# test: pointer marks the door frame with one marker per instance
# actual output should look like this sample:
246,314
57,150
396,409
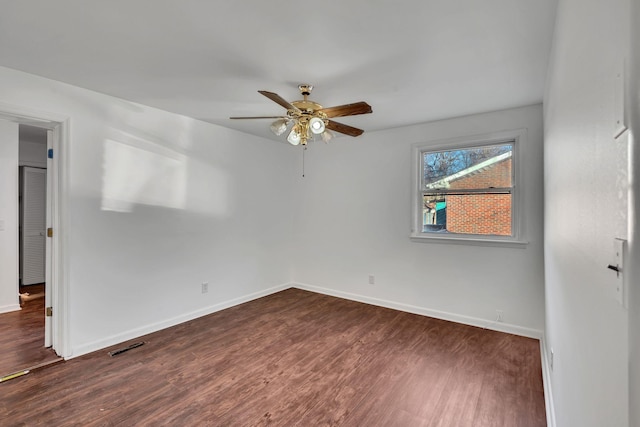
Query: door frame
57,335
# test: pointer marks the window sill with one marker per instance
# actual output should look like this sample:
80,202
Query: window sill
471,241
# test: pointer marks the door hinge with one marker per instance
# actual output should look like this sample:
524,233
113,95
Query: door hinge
49,311
49,232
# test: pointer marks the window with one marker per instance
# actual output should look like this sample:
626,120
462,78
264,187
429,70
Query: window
465,190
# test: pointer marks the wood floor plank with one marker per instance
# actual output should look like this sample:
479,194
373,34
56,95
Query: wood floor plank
294,358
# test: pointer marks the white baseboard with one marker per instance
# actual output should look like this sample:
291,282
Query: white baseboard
155,327
546,381
466,320
9,308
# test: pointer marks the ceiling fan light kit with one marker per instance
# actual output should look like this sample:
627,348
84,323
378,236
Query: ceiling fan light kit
310,118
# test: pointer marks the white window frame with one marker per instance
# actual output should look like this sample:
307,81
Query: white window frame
518,139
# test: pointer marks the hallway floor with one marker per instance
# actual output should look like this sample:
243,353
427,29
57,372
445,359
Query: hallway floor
22,334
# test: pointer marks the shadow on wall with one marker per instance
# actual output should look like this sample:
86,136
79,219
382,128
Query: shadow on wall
137,171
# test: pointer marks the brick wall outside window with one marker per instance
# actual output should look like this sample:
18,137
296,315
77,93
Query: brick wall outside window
481,213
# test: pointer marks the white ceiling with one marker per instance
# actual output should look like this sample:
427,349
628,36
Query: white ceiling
413,61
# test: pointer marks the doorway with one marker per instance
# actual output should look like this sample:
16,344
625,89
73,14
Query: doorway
25,331
24,343
32,211
53,320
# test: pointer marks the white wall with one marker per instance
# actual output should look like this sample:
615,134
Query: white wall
353,219
8,217
159,203
634,244
585,209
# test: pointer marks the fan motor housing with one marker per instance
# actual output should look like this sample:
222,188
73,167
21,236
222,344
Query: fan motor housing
306,105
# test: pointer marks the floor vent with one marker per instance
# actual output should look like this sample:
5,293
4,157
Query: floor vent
122,350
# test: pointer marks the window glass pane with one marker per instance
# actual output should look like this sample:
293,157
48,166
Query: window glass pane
479,167
477,213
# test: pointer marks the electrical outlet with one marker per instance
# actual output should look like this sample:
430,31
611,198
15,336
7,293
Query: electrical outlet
499,316
551,359
205,287
372,279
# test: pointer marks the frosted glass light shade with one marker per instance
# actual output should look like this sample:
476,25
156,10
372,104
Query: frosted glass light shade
316,125
294,136
279,126
326,136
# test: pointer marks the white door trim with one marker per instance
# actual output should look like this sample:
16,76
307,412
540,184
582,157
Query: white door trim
57,173
50,208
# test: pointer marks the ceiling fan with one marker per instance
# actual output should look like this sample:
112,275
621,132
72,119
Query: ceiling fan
310,118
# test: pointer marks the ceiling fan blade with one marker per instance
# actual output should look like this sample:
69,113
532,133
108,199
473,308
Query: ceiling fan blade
348,110
342,128
260,117
278,99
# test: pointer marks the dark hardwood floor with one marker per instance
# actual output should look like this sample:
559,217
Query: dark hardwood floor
22,334
294,358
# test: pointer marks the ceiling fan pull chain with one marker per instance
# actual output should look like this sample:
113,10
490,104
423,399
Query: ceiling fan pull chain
303,151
